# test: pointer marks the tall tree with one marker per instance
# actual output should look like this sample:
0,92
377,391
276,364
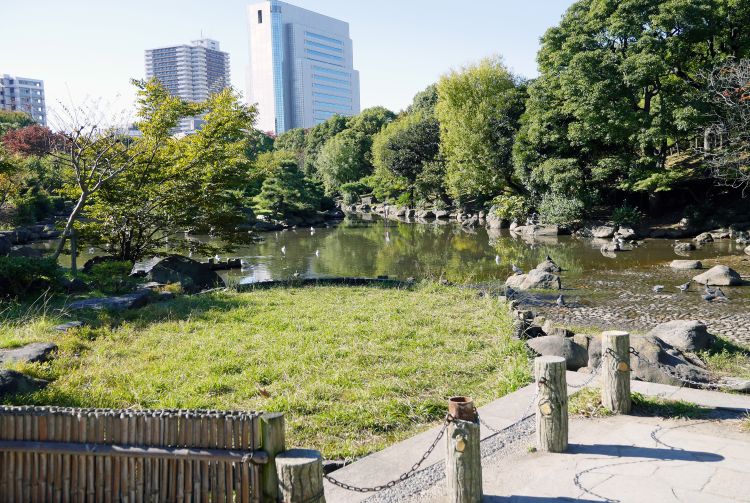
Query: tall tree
406,145
478,108
619,85
175,184
344,158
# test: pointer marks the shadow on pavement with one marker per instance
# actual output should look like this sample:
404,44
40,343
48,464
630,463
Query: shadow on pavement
629,451
531,499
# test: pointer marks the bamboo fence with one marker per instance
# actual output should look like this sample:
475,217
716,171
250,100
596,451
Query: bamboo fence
102,455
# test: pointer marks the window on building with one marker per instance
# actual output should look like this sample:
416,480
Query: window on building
260,17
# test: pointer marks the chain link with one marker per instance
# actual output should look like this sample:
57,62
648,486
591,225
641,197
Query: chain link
588,381
518,421
666,370
406,475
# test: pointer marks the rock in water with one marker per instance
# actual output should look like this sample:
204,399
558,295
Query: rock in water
684,247
12,382
36,352
719,275
535,279
686,264
576,356
689,336
191,275
706,237
603,231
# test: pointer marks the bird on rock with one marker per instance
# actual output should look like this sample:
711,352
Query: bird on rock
720,294
684,287
658,288
516,270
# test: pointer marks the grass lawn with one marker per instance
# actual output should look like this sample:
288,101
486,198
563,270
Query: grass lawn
353,369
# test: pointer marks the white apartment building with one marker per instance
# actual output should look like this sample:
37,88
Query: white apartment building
301,69
21,94
192,72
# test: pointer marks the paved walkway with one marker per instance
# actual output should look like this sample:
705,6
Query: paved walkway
595,443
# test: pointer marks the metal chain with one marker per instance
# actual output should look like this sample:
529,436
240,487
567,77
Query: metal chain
521,419
348,487
666,370
588,381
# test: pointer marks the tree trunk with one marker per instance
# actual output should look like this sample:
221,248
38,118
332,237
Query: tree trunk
552,404
616,371
69,224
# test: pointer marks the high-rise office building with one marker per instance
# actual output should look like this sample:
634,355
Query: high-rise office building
192,72
22,94
301,68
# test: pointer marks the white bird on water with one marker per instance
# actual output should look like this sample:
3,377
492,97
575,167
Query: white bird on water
283,250
217,258
497,259
387,237
317,253
244,264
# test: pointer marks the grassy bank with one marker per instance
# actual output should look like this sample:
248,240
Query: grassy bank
354,369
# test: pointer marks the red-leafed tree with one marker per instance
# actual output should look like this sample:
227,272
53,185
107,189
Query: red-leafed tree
30,140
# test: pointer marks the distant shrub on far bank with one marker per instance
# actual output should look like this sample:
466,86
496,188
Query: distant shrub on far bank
561,210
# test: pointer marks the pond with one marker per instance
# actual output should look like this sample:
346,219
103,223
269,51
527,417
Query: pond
604,290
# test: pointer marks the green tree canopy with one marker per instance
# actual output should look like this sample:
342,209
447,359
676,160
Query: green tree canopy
478,108
619,85
287,193
406,145
344,158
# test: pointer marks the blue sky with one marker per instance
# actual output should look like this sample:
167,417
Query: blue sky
91,48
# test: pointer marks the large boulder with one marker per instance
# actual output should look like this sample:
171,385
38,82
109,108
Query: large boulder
719,275
683,265
603,231
658,362
747,250
575,355
191,275
12,382
36,352
684,335
534,280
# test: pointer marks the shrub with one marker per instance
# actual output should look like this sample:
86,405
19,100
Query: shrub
112,277
32,207
510,207
22,276
561,210
353,190
627,215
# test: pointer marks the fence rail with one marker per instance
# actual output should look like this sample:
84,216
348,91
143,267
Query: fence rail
67,454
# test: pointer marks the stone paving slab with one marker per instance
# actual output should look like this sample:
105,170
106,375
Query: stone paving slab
628,465
380,467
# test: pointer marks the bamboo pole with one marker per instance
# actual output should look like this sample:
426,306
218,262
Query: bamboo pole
463,463
616,372
300,476
552,404
273,442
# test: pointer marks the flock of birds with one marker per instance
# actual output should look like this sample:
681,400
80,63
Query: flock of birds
709,294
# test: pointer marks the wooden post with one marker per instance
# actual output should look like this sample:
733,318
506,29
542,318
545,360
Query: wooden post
616,371
300,476
552,404
463,462
273,442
